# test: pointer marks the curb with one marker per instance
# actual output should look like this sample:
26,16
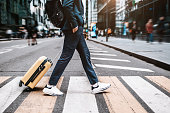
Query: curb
144,58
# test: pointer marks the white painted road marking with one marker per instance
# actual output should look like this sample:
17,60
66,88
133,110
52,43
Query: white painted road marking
95,49
98,51
99,54
79,98
5,50
122,67
5,41
9,93
155,99
109,59
19,46
11,48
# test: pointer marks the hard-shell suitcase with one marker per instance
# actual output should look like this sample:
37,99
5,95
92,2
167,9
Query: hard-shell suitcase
36,72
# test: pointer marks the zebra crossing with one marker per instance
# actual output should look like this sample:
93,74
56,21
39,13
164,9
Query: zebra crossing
98,52
155,99
127,94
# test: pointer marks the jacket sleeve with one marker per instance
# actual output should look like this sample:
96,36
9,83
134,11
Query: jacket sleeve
68,6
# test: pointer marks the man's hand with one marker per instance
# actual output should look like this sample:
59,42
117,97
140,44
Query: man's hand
75,29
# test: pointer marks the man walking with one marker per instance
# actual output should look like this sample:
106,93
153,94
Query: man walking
74,39
133,30
149,30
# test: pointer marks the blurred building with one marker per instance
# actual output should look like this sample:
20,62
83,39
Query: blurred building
14,13
92,12
143,10
86,14
114,13
120,15
37,8
106,14
17,13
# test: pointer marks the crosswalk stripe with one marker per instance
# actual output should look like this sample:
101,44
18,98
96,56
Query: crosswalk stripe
6,81
98,54
37,102
5,41
122,67
95,51
109,59
3,78
79,99
19,46
9,93
161,81
59,104
119,99
155,99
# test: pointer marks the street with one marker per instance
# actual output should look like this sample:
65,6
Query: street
137,86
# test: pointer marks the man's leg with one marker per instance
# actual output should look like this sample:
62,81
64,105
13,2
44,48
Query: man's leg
151,37
147,38
70,43
85,58
83,50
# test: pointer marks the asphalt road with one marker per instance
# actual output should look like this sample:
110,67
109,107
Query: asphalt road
16,58
137,86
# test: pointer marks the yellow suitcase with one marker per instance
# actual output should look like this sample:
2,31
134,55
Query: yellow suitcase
36,72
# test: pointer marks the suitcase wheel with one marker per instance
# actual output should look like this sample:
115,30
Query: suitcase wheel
20,83
28,89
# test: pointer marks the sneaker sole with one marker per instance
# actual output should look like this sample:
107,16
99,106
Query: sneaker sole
100,91
51,94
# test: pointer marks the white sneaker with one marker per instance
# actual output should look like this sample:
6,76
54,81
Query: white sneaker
100,87
52,90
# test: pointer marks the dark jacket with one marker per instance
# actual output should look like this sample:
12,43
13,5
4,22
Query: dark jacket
73,11
160,27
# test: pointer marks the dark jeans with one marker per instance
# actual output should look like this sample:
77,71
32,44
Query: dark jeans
72,42
149,37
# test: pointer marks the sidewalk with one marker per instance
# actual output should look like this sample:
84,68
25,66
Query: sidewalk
155,53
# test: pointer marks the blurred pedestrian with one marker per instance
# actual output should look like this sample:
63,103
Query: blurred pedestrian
34,34
149,30
124,29
127,29
21,32
133,30
29,30
97,32
25,33
109,32
160,29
